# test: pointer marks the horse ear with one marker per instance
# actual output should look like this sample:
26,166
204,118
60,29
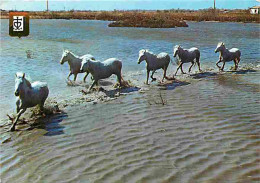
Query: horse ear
16,75
23,75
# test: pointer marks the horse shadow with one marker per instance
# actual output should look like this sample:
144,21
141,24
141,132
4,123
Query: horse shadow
119,91
171,85
101,82
51,124
209,74
242,71
203,75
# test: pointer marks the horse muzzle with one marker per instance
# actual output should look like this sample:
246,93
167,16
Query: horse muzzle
216,51
81,70
16,93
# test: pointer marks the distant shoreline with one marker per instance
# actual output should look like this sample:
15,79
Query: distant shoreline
149,19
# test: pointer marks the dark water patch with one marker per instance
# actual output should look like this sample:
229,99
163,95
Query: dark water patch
171,85
203,75
246,71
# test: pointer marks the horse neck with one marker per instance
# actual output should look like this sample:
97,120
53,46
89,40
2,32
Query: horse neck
180,52
73,59
223,50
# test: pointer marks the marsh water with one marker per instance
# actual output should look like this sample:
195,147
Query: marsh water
205,128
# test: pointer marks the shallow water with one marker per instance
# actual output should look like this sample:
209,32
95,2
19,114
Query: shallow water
207,131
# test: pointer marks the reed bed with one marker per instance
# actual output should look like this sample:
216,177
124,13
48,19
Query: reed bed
152,19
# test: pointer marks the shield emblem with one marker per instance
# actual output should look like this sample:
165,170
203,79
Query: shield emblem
18,24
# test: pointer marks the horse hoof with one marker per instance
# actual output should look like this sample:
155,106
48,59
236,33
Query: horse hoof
11,129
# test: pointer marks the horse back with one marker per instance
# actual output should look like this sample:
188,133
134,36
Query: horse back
164,57
113,63
87,56
190,54
194,50
40,88
235,51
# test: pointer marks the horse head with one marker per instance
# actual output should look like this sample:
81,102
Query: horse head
85,65
176,50
64,57
142,56
220,47
19,82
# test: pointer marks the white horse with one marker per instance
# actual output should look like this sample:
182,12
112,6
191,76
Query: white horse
28,95
74,63
101,70
154,62
227,55
186,55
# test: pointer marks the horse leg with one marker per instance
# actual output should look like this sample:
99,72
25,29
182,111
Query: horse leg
181,69
235,62
12,128
94,82
222,68
17,105
178,69
69,76
119,78
84,79
192,63
164,73
218,63
153,79
148,72
75,76
238,60
198,62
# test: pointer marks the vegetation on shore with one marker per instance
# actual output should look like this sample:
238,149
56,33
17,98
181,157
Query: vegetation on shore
152,19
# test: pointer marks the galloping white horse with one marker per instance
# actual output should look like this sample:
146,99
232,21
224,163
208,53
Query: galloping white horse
227,55
28,95
154,62
101,70
74,63
187,55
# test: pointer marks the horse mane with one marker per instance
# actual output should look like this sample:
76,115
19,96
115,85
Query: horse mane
72,53
220,43
150,52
